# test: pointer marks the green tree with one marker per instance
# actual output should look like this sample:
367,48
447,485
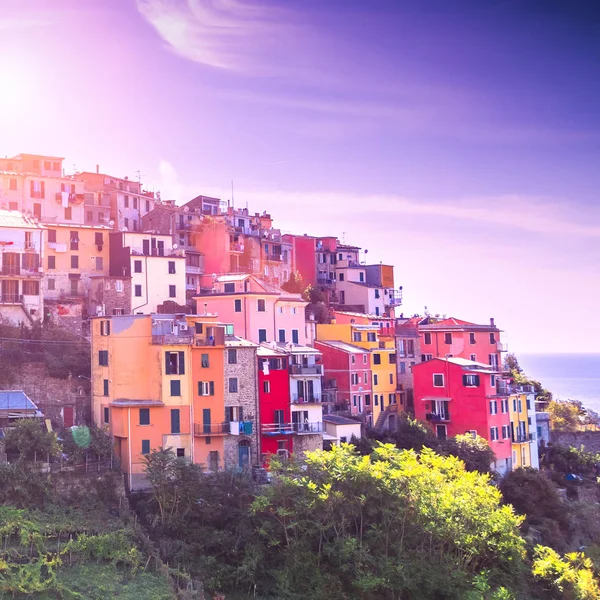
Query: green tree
294,284
567,416
31,440
474,452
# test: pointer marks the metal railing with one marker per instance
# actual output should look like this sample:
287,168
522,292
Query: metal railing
206,429
11,299
437,416
273,257
520,438
306,398
306,369
291,428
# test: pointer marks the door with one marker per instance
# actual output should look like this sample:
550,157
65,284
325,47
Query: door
440,431
175,421
310,391
37,210
301,397
146,247
68,417
161,248
206,420
244,454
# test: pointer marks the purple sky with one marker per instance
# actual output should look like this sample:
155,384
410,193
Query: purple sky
460,142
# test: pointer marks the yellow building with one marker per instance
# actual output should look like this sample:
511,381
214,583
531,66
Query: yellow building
383,383
519,430
72,254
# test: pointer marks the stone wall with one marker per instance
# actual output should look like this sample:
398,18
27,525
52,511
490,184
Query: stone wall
307,443
590,440
53,395
245,398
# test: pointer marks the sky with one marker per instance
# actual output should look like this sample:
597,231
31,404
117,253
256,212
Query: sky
458,140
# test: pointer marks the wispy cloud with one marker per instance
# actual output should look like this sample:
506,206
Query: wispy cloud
227,34
10,23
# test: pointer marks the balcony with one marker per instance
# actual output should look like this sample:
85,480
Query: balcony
11,299
209,429
394,298
291,428
240,428
185,226
306,369
325,280
273,257
172,339
11,270
31,272
502,388
501,347
438,417
307,428
520,438
236,247
306,399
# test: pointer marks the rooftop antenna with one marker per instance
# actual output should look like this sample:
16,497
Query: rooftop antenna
343,237
232,202
139,176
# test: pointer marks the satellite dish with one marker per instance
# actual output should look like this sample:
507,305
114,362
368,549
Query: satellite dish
186,209
214,276
111,223
175,246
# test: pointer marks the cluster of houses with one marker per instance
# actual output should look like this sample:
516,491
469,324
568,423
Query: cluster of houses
203,341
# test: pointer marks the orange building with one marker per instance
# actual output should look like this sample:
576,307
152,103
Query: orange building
157,381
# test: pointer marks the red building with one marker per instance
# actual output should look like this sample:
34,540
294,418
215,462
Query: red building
348,372
456,396
304,248
274,403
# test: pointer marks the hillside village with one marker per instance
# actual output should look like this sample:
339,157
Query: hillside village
216,334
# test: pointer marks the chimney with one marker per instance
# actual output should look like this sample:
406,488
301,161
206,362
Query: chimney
97,169
492,322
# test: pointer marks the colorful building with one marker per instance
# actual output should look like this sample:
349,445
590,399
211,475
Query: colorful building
259,312
340,430
408,354
159,381
457,396
35,185
21,268
519,430
156,269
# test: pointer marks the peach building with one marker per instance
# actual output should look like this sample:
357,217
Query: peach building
35,185
258,311
158,381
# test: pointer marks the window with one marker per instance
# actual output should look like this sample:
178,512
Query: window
493,407
282,335
126,201
233,385
266,387
51,284
353,378
520,405
137,266
391,378
356,336
410,348
504,405
74,261
206,388
354,400
438,380
126,223
172,267
31,288
361,276
371,336
493,360
471,380
341,277
377,294
447,338
105,387
138,290
135,203
493,381
366,377
401,345
147,205
365,359
144,416
367,399
376,399
172,291
376,359
175,421
103,358
280,310
13,185
403,368
505,432
426,357
118,312
204,361
232,356
295,336
375,379
261,305
68,214
175,363
104,327
392,358
494,434
145,446
52,236
262,335
237,305
492,338
118,285
180,452
106,414
175,387
99,263
514,405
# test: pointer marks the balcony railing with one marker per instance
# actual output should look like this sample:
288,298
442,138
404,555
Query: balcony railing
520,438
31,272
503,389
436,417
172,339
501,347
291,428
323,280
395,298
11,270
273,257
179,226
206,429
306,398
11,299
306,369
236,247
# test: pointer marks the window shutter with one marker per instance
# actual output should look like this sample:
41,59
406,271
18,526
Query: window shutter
167,363
477,380
199,388
182,363
211,386
465,382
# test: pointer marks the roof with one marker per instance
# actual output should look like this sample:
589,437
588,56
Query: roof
453,323
365,284
364,315
16,219
471,365
432,398
233,277
288,348
16,400
233,341
339,420
344,346
463,362
128,402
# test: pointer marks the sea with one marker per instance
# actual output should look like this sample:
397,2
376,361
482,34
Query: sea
567,376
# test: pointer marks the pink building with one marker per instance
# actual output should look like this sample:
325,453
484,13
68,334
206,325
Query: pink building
259,312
